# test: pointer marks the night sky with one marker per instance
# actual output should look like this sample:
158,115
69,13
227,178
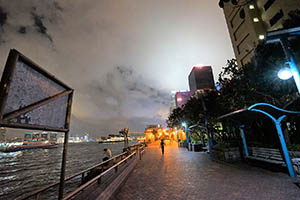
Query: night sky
122,57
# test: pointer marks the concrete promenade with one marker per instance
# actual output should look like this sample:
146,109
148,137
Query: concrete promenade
180,174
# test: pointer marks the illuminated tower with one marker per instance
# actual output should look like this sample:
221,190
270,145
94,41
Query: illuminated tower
201,78
182,98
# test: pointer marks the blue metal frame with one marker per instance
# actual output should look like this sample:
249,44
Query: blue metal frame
279,131
244,140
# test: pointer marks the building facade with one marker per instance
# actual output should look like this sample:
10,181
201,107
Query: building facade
201,78
182,98
249,20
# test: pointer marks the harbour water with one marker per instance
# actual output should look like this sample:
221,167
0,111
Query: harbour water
25,171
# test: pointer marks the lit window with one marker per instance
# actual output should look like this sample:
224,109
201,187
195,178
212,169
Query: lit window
255,19
261,37
251,7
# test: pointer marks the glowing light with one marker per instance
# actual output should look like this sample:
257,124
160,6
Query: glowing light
251,7
179,99
198,66
285,73
255,19
184,124
261,37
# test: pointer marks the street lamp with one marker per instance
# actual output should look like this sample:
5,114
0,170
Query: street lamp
282,36
285,73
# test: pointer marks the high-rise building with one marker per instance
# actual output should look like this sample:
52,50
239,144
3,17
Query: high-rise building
201,78
173,101
249,20
182,98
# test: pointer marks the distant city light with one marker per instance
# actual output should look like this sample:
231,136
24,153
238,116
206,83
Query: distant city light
285,73
179,99
251,7
255,19
261,37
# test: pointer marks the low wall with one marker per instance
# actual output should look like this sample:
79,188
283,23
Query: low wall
227,154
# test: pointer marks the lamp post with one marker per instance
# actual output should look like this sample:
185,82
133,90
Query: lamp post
283,36
184,125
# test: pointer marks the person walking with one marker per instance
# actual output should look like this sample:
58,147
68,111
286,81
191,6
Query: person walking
162,146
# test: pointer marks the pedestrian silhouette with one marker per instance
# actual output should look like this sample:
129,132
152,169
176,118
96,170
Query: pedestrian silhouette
162,145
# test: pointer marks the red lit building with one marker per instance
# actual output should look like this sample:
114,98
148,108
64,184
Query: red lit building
181,98
201,78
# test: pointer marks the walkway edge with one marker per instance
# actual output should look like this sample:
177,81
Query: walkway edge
117,183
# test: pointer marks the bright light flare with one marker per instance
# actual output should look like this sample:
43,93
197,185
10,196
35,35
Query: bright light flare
179,99
199,66
285,73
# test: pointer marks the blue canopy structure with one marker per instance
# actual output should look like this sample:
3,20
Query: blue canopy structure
272,112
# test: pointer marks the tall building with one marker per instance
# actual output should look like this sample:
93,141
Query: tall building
201,78
249,20
173,101
182,98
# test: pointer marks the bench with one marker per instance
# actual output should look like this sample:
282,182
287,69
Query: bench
266,154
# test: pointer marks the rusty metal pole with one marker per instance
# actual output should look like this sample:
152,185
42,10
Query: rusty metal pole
63,167
64,156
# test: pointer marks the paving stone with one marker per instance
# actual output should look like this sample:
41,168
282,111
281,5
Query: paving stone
180,174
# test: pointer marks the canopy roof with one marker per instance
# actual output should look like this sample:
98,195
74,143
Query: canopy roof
258,110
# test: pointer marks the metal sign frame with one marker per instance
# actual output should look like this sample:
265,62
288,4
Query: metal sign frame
13,57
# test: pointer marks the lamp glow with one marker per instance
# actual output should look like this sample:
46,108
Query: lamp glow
184,124
179,99
251,7
285,73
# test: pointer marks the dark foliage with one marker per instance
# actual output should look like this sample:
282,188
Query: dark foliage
241,87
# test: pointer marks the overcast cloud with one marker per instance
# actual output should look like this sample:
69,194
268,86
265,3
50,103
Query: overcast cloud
122,57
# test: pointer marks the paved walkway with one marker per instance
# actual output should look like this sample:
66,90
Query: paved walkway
180,174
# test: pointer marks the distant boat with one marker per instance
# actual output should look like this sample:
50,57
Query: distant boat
19,146
31,141
113,139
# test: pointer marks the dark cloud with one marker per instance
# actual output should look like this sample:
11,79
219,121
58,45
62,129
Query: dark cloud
122,57
57,6
22,30
39,25
3,17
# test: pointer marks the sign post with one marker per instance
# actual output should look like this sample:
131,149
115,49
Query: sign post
31,98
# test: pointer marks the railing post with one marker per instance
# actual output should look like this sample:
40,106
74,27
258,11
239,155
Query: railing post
82,177
38,196
99,180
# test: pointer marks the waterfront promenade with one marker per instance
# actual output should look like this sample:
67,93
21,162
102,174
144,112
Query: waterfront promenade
180,174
